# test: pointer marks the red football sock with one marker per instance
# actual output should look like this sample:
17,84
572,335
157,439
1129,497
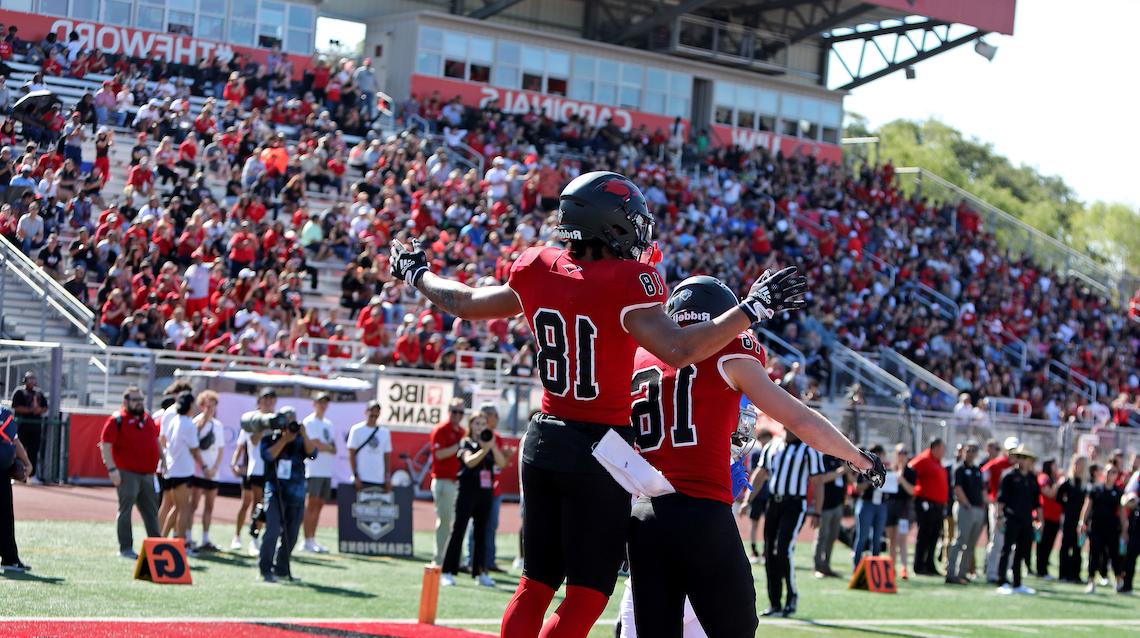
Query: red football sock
576,616
523,616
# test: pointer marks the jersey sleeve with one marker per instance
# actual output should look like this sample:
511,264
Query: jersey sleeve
519,277
639,286
744,346
110,431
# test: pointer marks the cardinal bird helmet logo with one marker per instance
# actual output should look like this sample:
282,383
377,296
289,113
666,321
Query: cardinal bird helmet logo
617,187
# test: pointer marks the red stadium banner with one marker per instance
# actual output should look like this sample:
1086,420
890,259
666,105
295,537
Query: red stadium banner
987,15
556,107
172,47
749,139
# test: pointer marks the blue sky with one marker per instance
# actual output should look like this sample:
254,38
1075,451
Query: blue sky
1061,95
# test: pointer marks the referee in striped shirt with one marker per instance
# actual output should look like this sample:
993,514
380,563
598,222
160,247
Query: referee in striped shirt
787,465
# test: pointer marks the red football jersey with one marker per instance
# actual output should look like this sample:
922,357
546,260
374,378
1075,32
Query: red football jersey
685,418
575,310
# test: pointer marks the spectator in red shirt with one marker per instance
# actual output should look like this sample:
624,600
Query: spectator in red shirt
1050,512
931,491
141,177
407,353
444,440
129,446
991,473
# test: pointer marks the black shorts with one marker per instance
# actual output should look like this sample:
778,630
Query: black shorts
897,510
176,481
163,484
683,546
250,482
204,483
576,516
756,509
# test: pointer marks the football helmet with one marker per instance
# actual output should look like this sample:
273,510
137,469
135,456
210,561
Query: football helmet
699,298
608,207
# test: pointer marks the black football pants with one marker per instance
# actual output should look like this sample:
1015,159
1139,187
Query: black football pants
683,546
928,515
1018,540
782,524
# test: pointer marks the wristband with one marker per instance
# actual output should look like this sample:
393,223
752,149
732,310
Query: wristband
417,274
746,308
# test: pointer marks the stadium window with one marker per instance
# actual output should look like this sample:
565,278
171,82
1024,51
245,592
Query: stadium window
427,63
506,72
723,115
455,69
632,77
241,32
302,18
270,24
790,114
606,93
479,73
681,85
430,39
211,27
117,12
533,60
150,18
582,78
54,7
767,122
88,10
212,7
557,70
180,22
302,23
300,42
18,5
745,119
186,6
678,107
532,82
830,117
654,102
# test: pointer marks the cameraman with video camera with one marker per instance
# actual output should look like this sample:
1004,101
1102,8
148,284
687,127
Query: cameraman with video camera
284,448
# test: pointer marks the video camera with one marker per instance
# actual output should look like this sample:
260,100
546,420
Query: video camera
282,420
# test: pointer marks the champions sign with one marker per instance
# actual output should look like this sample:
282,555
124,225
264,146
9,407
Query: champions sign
137,43
556,107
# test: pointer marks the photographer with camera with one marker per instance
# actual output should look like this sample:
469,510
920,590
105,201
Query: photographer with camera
370,450
247,464
284,448
479,455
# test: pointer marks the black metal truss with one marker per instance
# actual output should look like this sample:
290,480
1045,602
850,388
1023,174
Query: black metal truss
889,48
491,8
661,18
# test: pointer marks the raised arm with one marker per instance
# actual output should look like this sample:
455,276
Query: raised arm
489,302
750,377
660,335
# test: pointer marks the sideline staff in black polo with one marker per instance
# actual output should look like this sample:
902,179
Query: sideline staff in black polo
1020,499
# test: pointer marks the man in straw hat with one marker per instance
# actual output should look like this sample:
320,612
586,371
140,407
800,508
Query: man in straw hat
1018,499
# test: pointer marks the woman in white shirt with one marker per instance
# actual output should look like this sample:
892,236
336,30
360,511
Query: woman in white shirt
211,439
248,464
182,457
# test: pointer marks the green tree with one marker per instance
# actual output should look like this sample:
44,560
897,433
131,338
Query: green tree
1105,231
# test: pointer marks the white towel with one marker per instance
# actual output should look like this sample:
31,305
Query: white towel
629,469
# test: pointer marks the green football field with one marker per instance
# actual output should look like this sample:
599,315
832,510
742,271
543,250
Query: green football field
78,574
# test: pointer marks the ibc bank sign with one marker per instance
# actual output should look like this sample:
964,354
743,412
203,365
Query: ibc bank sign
138,43
555,107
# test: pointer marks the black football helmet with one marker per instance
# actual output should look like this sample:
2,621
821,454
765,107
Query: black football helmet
700,298
608,207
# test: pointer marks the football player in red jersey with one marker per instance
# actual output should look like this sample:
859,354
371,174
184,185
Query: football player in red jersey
591,300
685,417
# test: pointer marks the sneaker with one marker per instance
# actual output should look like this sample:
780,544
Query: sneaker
905,575
496,569
207,547
1091,589
485,581
319,549
1005,589
1102,581
235,544
517,564
18,567
192,552
309,547
447,580
1025,590
129,553
755,560
268,579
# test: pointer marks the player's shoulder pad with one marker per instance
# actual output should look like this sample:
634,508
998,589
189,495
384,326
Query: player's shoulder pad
534,254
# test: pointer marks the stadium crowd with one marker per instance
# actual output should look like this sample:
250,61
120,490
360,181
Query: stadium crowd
206,238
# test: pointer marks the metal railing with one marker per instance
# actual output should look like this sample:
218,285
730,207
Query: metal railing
849,367
1008,407
910,372
51,293
1058,372
460,153
933,300
785,351
1016,350
310,349
1021,238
